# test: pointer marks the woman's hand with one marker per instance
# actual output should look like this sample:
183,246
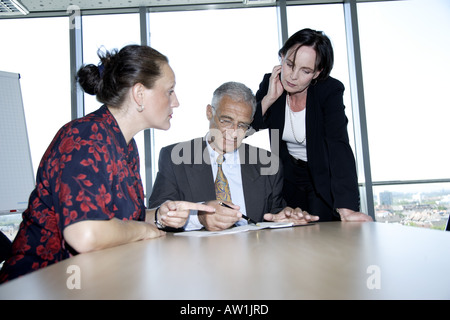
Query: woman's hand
348,215
93,235
275,89
175,213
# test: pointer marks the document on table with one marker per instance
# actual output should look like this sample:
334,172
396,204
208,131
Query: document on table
244,228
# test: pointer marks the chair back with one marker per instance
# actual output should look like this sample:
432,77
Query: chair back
5,247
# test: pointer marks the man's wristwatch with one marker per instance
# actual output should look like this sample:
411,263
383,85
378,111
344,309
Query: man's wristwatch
158,224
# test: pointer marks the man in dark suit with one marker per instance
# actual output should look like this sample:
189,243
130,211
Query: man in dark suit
195,171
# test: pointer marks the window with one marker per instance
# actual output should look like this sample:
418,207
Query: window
29,48
207,48
405,69
330,20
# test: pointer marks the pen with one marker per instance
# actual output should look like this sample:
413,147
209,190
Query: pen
243,215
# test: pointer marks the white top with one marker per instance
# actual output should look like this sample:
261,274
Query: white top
295,127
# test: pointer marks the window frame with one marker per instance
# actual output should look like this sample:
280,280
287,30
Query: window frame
356,85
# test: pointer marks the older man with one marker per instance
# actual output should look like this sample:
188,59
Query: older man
243,183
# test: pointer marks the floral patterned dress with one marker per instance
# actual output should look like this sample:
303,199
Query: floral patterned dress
87,173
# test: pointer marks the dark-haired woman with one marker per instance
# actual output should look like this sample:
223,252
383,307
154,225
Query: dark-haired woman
89,193
305,106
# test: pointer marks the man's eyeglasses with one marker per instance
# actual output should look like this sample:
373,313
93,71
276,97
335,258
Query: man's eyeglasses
228,124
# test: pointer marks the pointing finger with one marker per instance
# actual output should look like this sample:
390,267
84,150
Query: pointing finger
184,205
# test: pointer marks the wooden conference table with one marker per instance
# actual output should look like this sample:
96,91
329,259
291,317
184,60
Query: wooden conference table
329,260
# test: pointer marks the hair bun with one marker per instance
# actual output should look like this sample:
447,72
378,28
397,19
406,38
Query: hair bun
89,77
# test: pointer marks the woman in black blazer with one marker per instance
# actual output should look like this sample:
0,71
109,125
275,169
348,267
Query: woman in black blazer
305,107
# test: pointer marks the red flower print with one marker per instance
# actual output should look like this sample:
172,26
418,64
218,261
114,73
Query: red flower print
89,162
51,224
51,248
112,169
103,198
132,192
82,177
21,242
65,197
67,145
86,203
70,216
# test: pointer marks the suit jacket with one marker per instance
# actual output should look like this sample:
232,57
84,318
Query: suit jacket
330,157
185,174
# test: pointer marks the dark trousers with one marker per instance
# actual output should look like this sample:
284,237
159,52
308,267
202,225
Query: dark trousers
299,191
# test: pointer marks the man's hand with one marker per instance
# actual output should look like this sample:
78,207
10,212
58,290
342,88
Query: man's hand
296,216
222,219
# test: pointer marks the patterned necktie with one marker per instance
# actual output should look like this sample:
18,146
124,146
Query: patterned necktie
222,188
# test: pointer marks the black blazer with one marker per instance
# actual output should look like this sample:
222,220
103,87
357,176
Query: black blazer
330,157
185,174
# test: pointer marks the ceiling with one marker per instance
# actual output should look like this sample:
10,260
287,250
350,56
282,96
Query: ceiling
38,7
34,6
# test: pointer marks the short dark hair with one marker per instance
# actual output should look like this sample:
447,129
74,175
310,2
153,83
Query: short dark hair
120,70
317,40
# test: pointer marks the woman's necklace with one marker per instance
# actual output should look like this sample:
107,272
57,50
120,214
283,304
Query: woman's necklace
292,122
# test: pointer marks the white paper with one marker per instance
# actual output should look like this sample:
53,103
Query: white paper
239,229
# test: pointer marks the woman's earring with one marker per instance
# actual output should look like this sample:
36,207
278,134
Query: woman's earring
141,108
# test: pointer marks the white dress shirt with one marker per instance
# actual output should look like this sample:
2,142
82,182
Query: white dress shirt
232,170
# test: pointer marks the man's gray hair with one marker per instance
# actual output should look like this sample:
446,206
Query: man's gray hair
236,91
